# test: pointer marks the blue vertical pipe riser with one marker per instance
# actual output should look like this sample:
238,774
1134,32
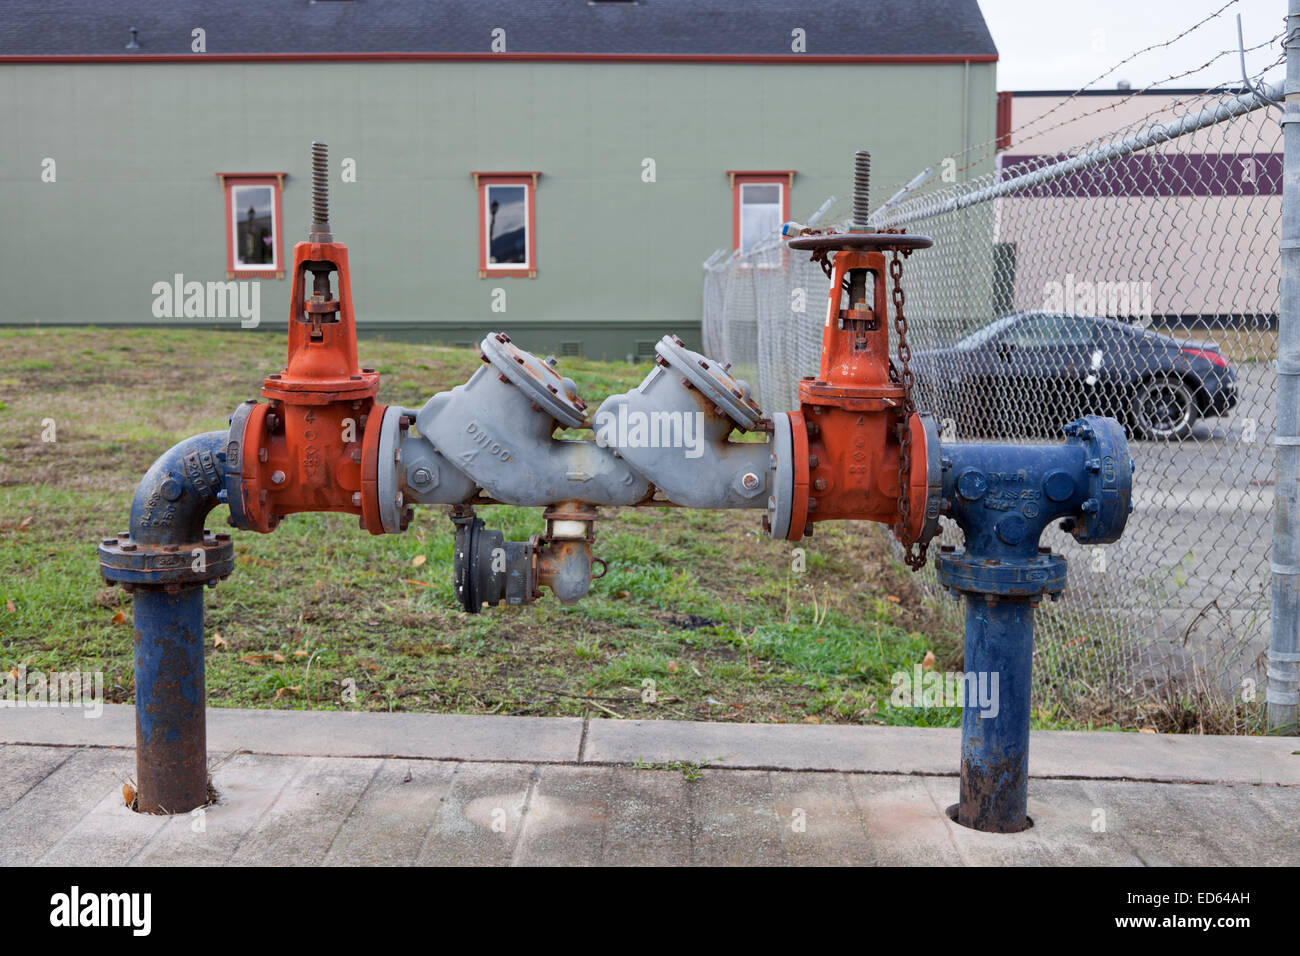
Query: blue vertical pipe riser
995,740
1003,497
170,690
165,560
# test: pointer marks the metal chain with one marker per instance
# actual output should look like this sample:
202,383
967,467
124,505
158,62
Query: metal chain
913,551
819,256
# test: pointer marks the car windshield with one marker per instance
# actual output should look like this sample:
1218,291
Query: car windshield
981,336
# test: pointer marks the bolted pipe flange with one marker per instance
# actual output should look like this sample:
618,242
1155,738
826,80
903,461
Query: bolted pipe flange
125,561
780,502
388,465
932,506
556,395
1109,470
1001,579
713,380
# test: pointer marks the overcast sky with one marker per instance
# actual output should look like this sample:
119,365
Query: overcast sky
1061,45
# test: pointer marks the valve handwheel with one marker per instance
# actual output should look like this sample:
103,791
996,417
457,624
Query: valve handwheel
861,242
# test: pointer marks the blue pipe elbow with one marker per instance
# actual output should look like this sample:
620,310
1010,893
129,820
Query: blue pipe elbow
167,545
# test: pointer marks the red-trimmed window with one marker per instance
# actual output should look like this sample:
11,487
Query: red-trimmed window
507,224
254,243
760,202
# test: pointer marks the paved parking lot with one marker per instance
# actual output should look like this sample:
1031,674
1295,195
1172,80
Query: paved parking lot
1197,545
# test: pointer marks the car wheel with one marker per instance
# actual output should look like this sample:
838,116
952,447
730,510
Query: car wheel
1164,408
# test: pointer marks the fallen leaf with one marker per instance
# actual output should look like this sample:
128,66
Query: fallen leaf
25,523
370,667
218,640
812,719
254,659
418,560
928,661
893,597
1146,730
418,584
284,691
278,658
10,605
128,794
672,667
119,617
300,653
13,672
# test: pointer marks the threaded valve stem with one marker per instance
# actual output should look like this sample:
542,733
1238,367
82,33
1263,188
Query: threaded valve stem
861,189
320,194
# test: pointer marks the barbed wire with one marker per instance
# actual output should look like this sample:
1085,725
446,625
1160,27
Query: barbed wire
989,147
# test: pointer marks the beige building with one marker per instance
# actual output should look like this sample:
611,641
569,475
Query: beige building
1184,234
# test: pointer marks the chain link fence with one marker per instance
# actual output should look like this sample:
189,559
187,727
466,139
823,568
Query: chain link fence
1134,274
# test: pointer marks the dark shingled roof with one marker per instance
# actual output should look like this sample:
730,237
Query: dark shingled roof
701,27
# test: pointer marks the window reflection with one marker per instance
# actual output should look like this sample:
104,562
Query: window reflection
507,225
254,212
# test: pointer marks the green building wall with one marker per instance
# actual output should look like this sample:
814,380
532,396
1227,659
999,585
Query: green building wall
136,199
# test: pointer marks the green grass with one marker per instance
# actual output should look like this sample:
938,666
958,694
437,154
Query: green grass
699,616
690,770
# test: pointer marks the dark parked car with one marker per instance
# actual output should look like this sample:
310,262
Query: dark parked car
1031,372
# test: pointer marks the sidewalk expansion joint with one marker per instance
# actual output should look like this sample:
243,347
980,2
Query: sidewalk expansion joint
779,768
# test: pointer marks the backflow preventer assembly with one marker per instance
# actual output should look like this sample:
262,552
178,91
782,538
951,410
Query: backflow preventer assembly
854,449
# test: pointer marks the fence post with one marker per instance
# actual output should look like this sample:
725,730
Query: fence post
1284,640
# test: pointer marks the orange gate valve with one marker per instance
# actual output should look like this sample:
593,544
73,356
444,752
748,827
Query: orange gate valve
315,445
858,448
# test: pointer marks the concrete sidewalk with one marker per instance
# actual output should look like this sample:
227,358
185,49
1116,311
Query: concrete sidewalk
359,788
